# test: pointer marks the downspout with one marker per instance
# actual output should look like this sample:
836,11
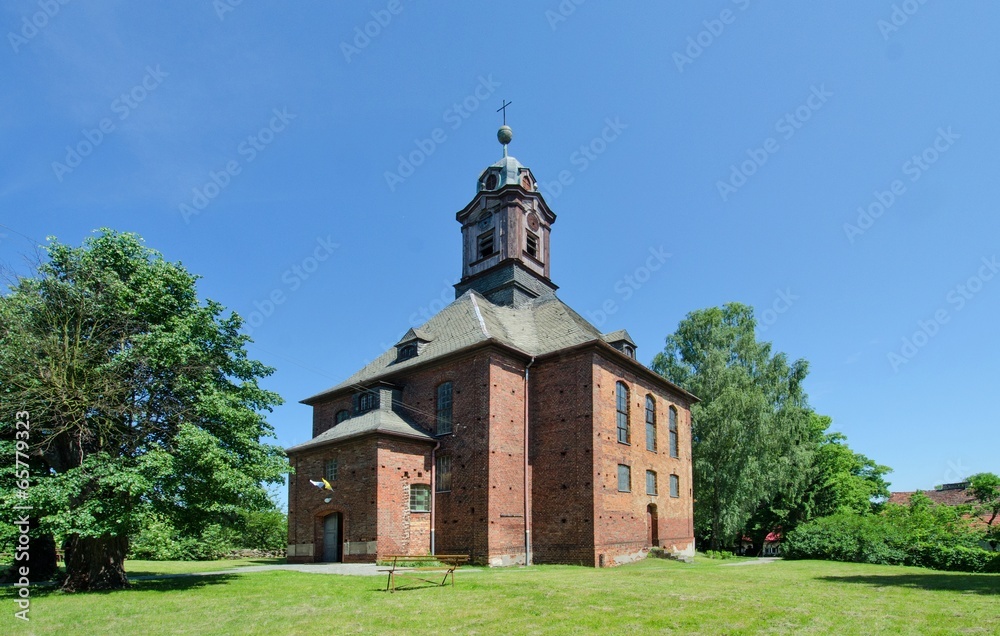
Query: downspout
433,490
527,518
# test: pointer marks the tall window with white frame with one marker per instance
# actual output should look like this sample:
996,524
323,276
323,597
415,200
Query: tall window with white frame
622,408
650,482
330,469
675,486
624,478
444,408
673,431
650,423
442,470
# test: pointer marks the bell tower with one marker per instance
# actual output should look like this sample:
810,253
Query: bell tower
505,234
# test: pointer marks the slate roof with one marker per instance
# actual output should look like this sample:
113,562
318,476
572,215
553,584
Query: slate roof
541,326
384,421
616,336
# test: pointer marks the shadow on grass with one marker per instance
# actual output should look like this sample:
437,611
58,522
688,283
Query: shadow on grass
174,583
969,583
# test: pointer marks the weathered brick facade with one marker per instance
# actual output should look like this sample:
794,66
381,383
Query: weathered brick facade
527,376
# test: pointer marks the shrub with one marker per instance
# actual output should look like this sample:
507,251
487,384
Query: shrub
923,539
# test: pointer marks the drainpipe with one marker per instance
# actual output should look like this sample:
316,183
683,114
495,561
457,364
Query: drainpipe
527,518
433,491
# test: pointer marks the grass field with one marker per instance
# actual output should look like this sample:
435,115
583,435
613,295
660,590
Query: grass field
650,597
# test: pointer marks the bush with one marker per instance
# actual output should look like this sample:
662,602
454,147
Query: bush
894,538
719,554
264,530
956,559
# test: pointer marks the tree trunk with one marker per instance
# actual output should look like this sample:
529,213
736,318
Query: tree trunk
42,559
95,563
716,530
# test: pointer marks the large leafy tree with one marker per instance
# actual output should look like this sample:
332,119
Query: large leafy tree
141,397
752,421
830,478
985,489
843,480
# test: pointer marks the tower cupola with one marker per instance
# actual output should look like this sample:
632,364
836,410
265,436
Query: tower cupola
505,234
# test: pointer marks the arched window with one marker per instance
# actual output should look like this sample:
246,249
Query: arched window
673,431
342,415
444,408
650,423
622,415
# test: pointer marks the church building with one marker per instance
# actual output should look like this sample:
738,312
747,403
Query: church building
507,427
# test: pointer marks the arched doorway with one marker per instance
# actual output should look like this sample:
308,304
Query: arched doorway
331,538
652,526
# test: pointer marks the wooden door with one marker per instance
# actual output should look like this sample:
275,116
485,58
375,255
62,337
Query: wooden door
331,537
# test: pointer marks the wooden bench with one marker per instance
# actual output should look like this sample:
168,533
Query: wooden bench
404,563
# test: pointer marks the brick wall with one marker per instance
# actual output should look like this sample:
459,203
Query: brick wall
461,513
506,461
576,512
561,456
402,463
354,497
622,528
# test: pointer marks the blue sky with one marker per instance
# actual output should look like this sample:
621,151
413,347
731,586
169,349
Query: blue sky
832,165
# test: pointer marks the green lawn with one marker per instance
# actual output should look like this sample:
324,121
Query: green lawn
651,597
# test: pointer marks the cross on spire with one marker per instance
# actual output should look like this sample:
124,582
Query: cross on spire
503,109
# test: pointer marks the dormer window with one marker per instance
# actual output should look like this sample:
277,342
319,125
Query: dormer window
364,402
412,344
622,341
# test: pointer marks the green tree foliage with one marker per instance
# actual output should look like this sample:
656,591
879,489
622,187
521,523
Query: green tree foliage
142,400
985,488
922,533
841,479
751,427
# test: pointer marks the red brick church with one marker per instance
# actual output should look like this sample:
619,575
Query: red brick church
507,427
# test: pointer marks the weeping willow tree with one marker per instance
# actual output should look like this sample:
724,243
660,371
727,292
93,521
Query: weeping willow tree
142,401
